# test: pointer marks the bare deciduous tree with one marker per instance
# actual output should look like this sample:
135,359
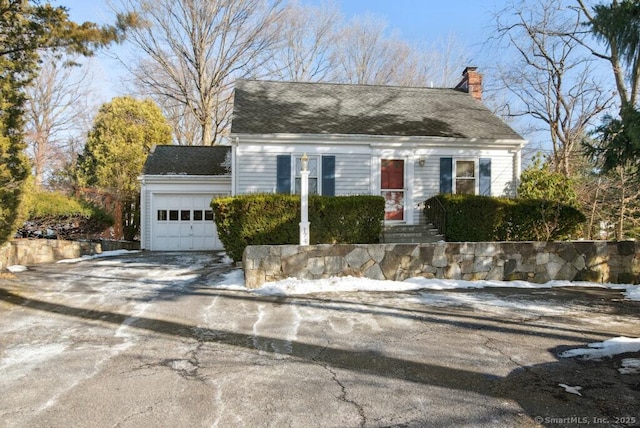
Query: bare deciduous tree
444,60
364,54
552,79
192,52
307,36
56,113
315,44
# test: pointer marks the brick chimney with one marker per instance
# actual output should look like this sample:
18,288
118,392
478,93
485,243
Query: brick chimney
471,83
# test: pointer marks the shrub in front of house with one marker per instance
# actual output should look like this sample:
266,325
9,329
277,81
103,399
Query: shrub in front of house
54,214
471,218
273,219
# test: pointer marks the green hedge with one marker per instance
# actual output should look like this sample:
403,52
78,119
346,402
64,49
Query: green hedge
68,217
472,218
52,204
263,219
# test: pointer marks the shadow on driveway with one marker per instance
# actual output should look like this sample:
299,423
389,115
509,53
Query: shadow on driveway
534,388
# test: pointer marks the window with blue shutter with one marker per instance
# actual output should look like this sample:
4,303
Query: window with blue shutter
446,175
328,175
283,174
485,177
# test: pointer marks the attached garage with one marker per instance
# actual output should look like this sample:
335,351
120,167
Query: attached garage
177,186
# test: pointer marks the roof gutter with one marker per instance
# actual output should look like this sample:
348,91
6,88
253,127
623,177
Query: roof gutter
376,141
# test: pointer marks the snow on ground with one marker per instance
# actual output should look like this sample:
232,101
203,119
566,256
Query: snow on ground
95,256
294,286
488,301
608,348
234,280
20,268
630,366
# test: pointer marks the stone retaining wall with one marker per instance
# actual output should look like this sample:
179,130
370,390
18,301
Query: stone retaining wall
595,261
28,252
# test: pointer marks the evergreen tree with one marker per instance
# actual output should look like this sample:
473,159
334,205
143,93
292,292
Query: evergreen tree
539,182
27,28
617,140
123,133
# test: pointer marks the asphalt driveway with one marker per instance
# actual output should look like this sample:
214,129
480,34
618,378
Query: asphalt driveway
150,340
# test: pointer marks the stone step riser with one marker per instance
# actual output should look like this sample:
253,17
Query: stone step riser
408,228
411,234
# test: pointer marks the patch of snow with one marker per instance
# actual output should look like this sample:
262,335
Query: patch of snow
233,280
633,292
294,286
95,256
608,348
16,268
571,389
630,366
489,301
457,284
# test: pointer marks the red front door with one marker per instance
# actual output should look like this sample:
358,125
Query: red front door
392,188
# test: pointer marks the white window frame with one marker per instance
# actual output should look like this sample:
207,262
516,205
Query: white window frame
295,173
476,174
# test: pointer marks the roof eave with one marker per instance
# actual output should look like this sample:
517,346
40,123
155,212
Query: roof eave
181,177
374,140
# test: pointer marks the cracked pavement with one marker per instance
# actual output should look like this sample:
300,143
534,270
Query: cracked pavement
146,340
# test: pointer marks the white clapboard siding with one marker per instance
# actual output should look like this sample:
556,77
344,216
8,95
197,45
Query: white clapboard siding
353,174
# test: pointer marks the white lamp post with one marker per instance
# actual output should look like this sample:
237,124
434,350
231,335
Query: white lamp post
304,200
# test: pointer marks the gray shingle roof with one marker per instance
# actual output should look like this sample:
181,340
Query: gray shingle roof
188,160
266,107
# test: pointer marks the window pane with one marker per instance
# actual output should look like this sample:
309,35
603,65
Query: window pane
313,167
313,186
392,174
208,215
465,186
185,215
197,215
465,169
162,215
173,215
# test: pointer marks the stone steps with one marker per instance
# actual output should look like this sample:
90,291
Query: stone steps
410,234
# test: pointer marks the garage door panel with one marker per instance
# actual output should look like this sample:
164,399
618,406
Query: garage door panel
183,223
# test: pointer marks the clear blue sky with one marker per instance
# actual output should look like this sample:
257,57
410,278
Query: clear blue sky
416,21
430,19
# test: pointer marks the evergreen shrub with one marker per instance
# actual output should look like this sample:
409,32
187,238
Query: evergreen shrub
471,218
273,219
67,216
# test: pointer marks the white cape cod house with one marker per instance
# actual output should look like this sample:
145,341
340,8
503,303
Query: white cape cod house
406,144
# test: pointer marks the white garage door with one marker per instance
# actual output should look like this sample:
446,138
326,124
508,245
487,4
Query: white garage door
183,223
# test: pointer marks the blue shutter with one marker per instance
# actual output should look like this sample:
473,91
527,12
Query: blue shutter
485,177
328,175
446,175
283,174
